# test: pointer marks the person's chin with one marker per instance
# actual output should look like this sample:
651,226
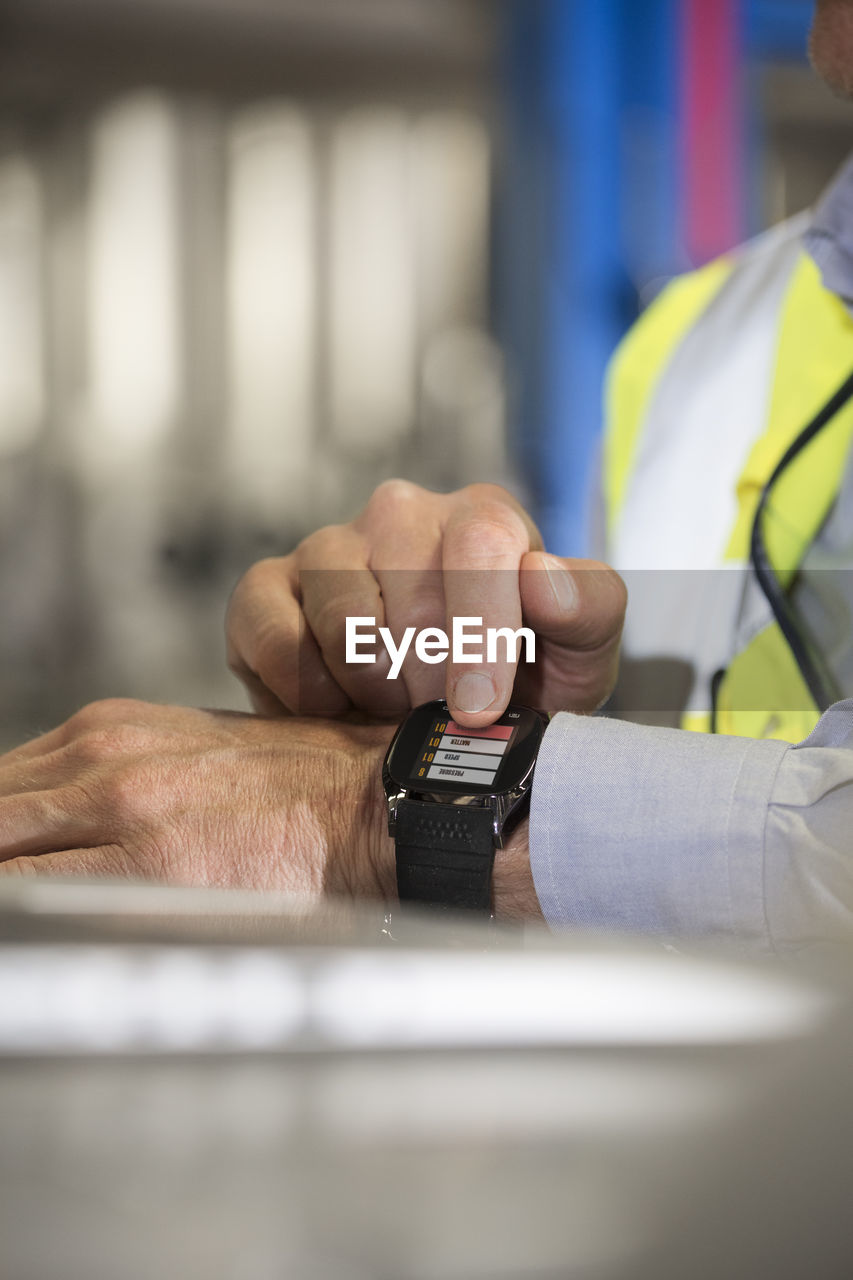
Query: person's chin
831,45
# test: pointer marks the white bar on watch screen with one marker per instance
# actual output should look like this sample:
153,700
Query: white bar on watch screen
450,773
466,760
489,746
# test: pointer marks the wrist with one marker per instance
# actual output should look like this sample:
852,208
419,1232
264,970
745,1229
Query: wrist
514,893
364,866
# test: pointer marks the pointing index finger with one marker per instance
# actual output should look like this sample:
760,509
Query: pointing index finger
484,542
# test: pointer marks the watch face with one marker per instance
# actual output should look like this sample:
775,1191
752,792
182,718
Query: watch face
431,753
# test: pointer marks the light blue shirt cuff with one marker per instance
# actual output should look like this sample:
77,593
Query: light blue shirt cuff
652,831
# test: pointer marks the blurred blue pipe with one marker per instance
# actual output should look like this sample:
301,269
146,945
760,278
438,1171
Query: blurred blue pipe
778,29
579,74
580,101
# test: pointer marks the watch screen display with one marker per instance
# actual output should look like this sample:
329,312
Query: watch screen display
451,753
433,755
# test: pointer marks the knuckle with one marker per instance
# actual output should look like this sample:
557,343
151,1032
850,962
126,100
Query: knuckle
326,548
394,491
125,794
93,747
104,742
255,580
492,511
320,541
482,492
496,507
395,500
489,539
96,715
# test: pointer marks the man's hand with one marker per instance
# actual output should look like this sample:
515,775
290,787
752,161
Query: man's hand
214,798
182,796
419,559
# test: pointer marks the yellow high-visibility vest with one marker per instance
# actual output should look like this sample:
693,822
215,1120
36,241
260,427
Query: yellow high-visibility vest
704,396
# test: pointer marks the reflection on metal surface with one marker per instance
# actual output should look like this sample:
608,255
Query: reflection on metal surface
286,1096
266,970
64,999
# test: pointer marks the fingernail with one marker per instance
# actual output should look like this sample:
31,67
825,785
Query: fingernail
562,584
474,692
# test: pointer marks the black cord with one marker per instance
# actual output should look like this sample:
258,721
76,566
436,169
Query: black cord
716,683
814,669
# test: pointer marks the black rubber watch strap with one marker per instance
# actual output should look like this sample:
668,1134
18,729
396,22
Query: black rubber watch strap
445,854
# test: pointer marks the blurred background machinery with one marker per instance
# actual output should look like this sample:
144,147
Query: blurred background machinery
257,256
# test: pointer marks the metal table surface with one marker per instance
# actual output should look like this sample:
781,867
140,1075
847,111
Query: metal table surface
201,1084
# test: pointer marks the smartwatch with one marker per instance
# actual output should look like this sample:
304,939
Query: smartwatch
453,794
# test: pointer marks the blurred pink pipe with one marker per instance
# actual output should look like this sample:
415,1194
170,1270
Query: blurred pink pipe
712,123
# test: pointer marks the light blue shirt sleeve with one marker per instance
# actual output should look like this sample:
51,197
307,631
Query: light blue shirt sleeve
683,835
